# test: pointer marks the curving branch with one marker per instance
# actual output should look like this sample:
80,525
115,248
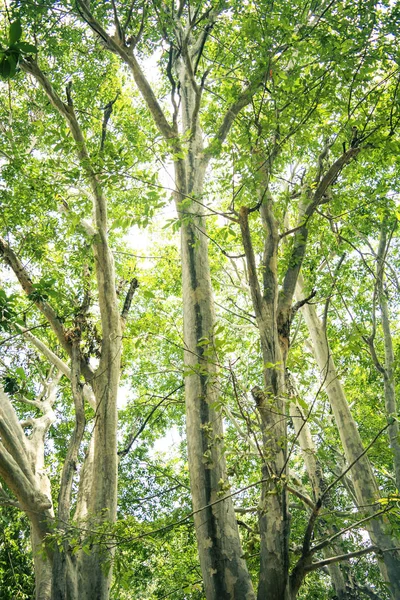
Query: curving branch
10,258
339,558
233,111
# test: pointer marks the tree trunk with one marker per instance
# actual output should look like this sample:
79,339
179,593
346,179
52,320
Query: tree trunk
95,568
43,568
273,515
224,570
365,486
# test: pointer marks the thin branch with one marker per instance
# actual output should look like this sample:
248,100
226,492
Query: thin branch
334,559
134,284
135,436
351,465
300,240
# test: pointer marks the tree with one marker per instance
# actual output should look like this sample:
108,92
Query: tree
250,86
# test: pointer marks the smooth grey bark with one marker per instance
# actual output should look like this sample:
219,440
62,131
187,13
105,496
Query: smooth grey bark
365,486
224,570
43,568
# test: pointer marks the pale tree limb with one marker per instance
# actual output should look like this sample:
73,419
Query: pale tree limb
61,365
11,259
13,438
45,350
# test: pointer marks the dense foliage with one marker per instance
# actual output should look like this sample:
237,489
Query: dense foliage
318,84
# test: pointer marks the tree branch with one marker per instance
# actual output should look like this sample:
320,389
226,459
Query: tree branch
109,312
69,468
300,238
63,367
27,285
134,284
130,60
243,100
334,559
251,260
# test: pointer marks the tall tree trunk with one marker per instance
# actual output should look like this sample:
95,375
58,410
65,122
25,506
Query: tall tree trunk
224,570
43,568
95,568
365,486
273,514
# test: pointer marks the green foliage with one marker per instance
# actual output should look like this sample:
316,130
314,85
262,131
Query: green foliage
15,49
16,565
318,75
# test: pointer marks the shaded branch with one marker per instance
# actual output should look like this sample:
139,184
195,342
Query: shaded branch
300,239
69,468
134,284
251,260
107,114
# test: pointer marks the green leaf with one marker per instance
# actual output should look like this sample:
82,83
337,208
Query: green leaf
13,62
27,48
302,403
148,294
5,68
15,32
20,372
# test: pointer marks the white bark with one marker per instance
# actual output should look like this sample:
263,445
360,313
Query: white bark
22,468
365,486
